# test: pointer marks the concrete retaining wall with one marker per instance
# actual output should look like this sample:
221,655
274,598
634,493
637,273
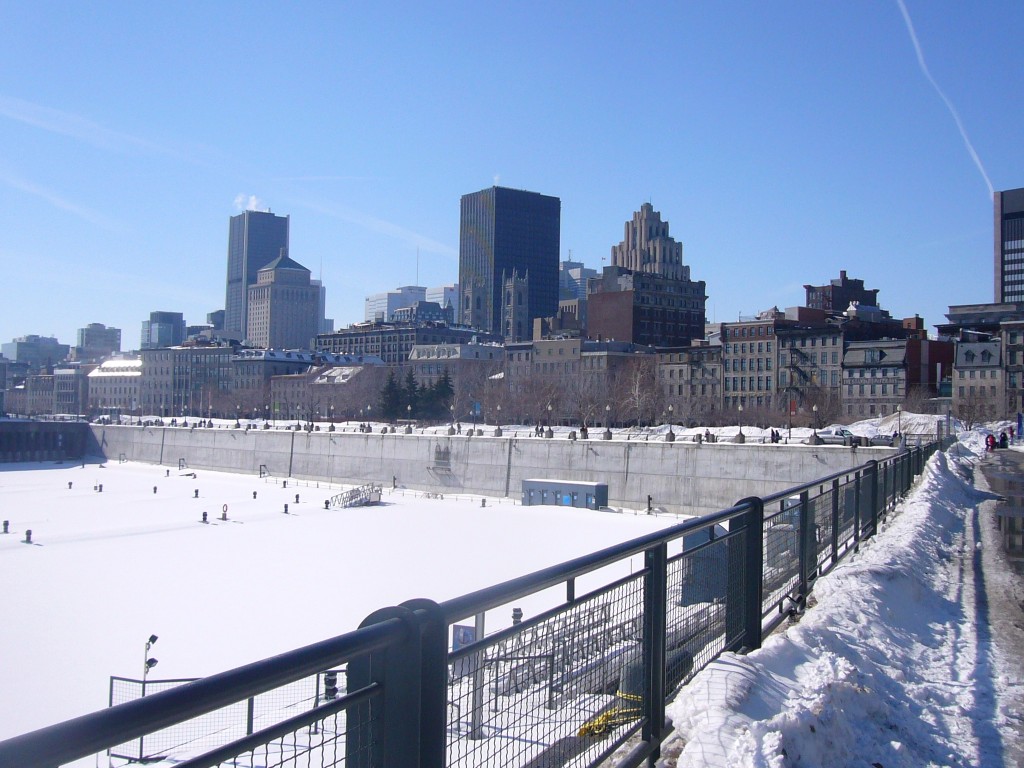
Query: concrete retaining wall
681,477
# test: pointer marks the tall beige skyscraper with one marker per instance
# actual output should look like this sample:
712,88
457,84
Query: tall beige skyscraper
283,306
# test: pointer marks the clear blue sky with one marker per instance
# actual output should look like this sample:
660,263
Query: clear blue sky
782,141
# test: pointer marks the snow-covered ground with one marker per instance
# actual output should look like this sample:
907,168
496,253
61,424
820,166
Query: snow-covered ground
889,668
108,569
894,666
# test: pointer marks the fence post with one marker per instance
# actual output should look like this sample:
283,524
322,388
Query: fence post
385,731
835,521
655,601
872,473
808,548
856,510
745,589
433,650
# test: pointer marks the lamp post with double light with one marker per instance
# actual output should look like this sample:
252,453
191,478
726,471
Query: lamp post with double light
148,662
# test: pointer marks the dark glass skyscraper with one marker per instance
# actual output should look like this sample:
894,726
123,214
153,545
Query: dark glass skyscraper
255,238
508,260
163,329
1009,246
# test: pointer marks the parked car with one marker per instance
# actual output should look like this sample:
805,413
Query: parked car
833,436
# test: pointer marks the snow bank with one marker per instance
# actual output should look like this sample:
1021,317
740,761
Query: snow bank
880,673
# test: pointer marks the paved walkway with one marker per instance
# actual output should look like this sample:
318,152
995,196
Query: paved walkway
1002,472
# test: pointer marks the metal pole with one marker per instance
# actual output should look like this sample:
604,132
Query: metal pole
655,591
873,495
808,550
835,521
476,717
752,554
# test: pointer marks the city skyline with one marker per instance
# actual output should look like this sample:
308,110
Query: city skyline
782,147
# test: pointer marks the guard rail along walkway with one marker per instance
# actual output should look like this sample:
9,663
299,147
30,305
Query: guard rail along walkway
622,629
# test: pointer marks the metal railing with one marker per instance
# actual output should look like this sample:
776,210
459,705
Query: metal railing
609,638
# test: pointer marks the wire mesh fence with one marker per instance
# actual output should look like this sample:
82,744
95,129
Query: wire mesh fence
781,547
338,733
698,584
226,724
551,690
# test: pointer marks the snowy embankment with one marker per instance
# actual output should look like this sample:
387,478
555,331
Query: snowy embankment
890,667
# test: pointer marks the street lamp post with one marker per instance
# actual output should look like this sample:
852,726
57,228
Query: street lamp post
332,417
899,420
740,437
497,427
147,661
607,422
671,436
789,407
549,432
408,426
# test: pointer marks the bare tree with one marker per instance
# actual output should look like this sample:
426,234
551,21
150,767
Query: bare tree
822,405
585,396
532,399
917,398
976,407
638,392
471,388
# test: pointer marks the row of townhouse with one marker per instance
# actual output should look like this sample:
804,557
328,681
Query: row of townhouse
850,366
201,380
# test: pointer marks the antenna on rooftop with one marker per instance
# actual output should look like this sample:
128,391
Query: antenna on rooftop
417,265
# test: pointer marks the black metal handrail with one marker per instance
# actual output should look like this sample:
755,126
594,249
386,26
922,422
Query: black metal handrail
92,733
483,599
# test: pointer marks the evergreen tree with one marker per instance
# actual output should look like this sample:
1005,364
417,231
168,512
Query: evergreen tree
444,391
425,406
410,401
391,398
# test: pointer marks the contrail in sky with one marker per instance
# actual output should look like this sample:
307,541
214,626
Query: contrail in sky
949,104
59,202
